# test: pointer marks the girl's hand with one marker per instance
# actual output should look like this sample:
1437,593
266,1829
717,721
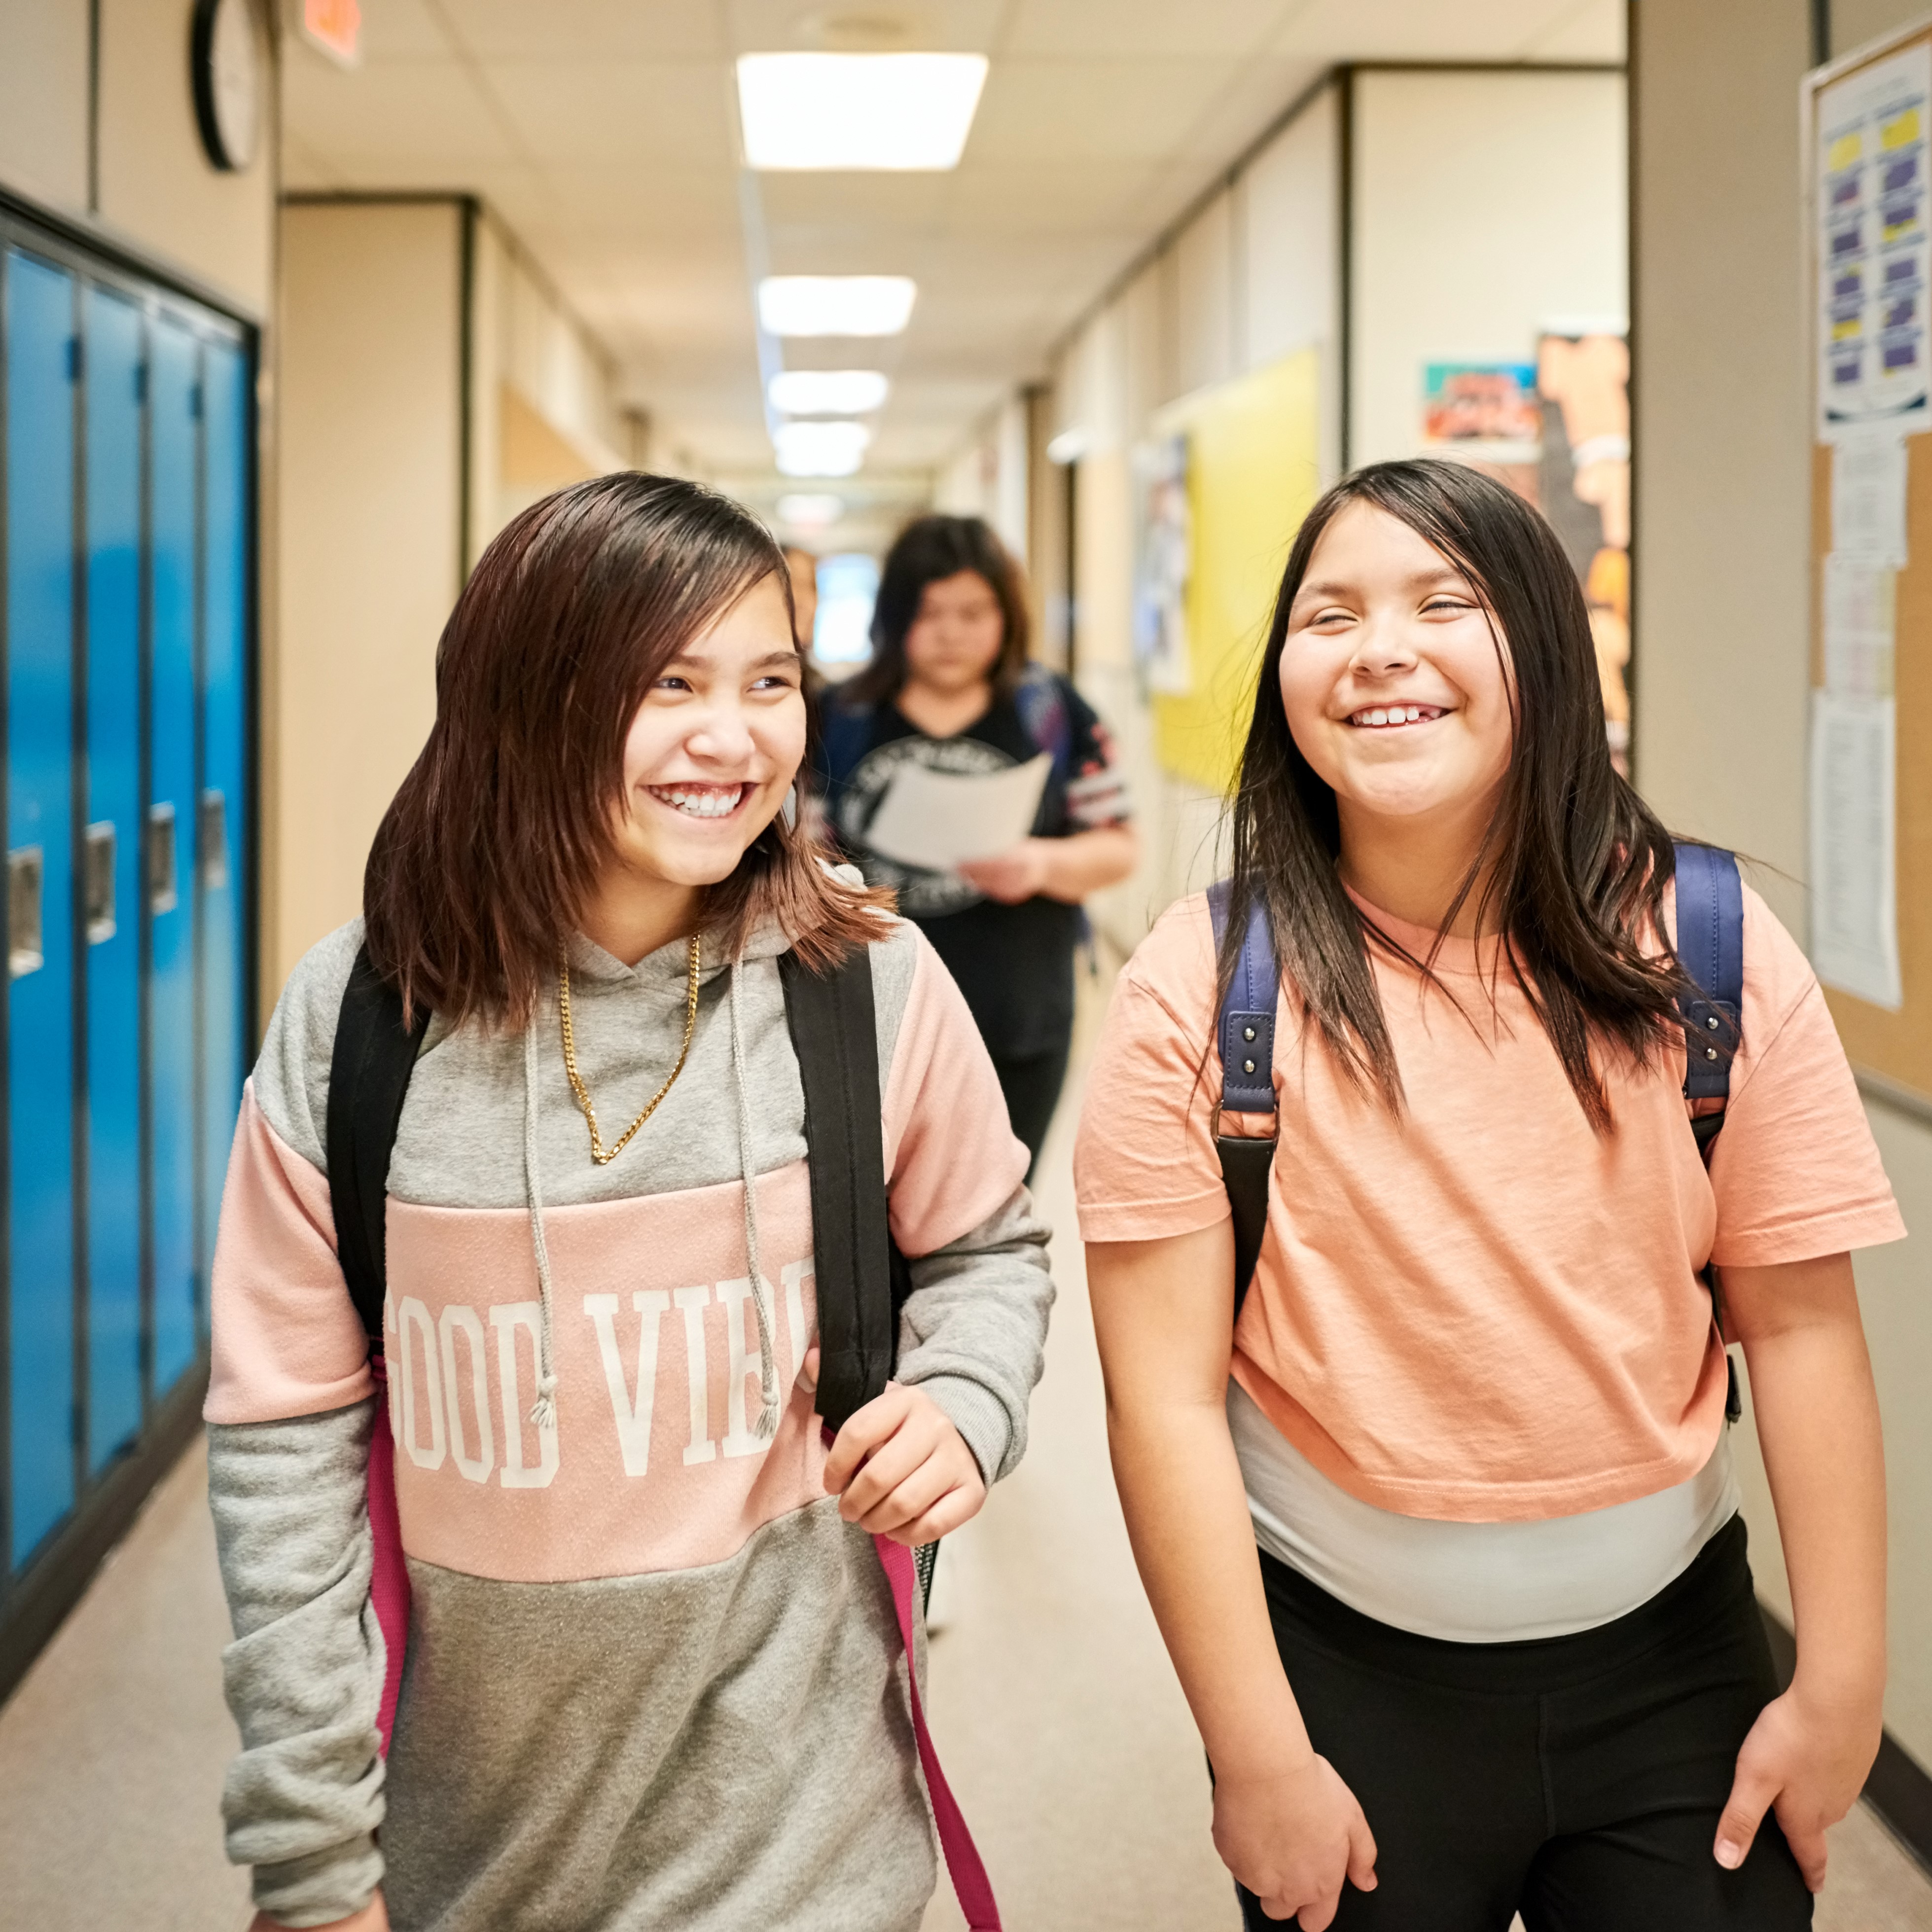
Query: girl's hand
374,1917
1292,1838
1806,1758
903,1469
1013,876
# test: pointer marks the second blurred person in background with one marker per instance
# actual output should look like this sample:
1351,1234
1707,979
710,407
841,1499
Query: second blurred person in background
949,686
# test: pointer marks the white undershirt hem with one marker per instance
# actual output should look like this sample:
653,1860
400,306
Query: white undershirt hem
1474,1582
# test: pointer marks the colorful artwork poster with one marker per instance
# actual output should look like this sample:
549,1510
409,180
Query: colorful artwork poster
1163,561
1583,383
1488,408
1873,245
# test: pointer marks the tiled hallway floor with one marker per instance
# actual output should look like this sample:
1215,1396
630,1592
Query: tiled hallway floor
1060,1724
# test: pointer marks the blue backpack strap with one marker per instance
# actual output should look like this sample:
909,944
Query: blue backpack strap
1711,949
1244,1035
1042,705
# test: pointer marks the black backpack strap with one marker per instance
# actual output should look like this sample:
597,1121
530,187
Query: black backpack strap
860,1279
369,1074
1244,1036
1711,949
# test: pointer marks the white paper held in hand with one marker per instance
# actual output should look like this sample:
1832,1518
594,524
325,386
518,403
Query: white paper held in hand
936,820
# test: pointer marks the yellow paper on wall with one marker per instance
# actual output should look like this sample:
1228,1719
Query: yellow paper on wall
1254,471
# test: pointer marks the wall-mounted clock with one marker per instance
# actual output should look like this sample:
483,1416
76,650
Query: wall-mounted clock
227,81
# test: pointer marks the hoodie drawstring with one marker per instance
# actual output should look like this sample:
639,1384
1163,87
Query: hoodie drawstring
543,1411
766,1426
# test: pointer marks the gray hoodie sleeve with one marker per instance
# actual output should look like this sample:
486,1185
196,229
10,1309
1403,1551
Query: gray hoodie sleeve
973,1332
303,1676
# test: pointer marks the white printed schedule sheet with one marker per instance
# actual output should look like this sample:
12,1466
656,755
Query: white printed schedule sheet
1872,239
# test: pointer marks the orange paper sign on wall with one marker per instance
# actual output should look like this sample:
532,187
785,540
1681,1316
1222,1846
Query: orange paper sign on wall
334,25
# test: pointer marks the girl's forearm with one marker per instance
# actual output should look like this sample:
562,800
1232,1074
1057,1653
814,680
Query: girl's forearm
1086,861
1817,1420
1187,1517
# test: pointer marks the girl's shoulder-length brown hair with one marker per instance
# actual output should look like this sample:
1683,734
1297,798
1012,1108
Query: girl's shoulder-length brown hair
494,842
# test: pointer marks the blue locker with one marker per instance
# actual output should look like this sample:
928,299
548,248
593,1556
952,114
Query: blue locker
168,841
40,370
221,840
110,870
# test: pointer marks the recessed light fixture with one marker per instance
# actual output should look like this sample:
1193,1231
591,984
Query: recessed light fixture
820,448
807,510
827,392
836,304
901,111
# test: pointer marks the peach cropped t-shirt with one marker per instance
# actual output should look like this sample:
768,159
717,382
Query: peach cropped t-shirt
1481,1310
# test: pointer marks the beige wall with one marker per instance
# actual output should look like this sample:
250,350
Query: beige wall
157,187
156,190
43,119
374,308
1486,206
372,413
1722,537
1254,275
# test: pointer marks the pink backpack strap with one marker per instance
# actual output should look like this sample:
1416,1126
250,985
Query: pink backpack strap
389,1581
969,1877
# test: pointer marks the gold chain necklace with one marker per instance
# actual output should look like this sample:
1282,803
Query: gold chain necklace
599,1153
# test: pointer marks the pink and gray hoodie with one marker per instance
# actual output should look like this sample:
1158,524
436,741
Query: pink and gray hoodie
653,1680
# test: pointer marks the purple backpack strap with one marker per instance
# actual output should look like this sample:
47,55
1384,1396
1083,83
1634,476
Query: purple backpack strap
963,1862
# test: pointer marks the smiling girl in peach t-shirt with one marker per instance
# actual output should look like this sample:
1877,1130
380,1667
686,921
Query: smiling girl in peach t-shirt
1500,1652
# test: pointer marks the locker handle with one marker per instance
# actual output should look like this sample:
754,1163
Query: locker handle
26,871
211,840
99,861
162,893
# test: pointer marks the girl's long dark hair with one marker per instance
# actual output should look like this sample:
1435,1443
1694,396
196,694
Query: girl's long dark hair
495,839
1573,867
928,550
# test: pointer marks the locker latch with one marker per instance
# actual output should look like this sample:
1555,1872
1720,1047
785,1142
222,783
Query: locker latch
25,871
162,892
211,843
99,862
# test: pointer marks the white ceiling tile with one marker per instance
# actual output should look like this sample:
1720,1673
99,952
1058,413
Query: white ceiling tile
1593,30
1044,111
413,115
1122,28
619,112
1419,29
600,29
882,26
1071,197
880,203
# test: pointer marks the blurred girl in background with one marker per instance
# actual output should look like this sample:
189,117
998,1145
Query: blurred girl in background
949,686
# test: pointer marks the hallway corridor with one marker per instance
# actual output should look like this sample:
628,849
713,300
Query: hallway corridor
1063,1731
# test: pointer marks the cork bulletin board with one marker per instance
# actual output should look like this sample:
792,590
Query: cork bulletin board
1867,129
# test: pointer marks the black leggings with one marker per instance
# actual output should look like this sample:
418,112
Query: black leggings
1577,1779
1032,1087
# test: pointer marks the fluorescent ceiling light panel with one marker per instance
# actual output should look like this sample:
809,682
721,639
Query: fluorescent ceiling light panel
836,304
820,448
827,392
900,111
809,510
